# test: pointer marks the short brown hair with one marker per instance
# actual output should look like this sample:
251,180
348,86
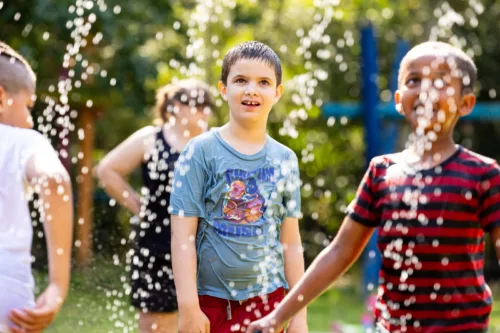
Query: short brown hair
251,50
464,63
15,72
190,92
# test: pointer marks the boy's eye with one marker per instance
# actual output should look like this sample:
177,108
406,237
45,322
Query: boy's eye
266,83
412,81
240,80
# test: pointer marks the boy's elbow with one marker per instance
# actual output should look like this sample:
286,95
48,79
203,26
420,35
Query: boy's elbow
100,172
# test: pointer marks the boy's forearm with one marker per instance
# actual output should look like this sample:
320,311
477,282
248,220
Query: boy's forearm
57,211
323,271
294,269
332,262
184,263
117,188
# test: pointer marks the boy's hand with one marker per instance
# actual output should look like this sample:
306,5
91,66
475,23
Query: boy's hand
268,324
41,316
297,325
193,321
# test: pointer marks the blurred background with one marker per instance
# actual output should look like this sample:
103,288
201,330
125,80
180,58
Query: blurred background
99,62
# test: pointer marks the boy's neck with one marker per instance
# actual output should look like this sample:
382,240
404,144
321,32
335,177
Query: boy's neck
245,139
440,150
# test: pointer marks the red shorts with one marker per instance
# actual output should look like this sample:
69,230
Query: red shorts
234,316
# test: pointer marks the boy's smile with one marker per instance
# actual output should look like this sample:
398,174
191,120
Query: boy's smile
430,94
251,90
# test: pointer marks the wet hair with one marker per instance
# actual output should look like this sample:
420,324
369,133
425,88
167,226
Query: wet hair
15,72
251,50
193,93
467,70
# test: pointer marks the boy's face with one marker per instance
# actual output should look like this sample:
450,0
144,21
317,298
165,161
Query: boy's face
15,108
430,95
251,90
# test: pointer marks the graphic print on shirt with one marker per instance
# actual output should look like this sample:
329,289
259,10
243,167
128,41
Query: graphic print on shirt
245,201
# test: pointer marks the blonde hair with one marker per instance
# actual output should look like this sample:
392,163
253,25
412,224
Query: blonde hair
15,72
188,92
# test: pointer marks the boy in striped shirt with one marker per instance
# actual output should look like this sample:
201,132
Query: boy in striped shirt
433,204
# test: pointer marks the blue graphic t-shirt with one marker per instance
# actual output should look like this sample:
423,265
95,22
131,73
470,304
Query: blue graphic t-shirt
241,201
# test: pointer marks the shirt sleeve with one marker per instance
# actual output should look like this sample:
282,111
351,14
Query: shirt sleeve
31,142
363,208
291,197
188,190
489,210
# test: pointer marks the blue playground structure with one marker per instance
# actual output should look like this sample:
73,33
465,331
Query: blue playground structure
380,122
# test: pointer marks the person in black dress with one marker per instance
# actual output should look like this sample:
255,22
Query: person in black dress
182,110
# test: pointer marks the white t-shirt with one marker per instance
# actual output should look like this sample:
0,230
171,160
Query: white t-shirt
16,280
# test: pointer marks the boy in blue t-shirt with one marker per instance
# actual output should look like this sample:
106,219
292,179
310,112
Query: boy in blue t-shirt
235,205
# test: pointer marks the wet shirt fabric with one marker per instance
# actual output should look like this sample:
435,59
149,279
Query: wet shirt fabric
16,233
241,201
432,225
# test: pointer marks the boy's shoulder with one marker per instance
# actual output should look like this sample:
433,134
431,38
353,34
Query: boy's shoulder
20,136
386,160
205,139
474,159
281,148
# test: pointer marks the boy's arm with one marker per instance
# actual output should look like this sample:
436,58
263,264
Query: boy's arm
119,163
294,264
53,185
326,268
184,262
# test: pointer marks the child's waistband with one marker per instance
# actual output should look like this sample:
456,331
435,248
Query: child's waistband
206,300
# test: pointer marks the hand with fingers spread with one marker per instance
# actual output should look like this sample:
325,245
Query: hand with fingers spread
35,320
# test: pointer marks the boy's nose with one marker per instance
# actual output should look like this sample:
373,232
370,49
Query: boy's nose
251,89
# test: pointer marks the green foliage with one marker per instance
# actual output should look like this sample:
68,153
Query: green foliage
148,43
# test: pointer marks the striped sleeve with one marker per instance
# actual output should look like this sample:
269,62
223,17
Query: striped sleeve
489,211
363,209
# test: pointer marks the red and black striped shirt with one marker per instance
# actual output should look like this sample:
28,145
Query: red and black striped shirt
431,237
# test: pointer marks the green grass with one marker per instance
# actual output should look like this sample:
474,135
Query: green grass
97,304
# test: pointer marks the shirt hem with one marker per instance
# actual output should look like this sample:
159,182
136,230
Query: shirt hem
230,298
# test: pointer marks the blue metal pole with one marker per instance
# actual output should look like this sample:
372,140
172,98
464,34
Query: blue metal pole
369,71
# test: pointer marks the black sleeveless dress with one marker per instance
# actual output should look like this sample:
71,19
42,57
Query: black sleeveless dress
152,283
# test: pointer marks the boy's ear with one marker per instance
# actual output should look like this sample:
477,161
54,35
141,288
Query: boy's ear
279,93
468,102
397,101
222,89
3,99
